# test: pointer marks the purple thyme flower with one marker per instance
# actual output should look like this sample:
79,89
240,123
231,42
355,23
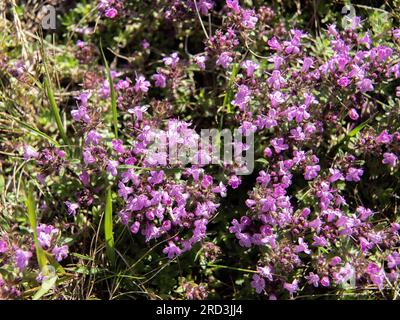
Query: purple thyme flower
302,247
384,137
123,84
130,175
207,181
156,177
200,61
364,213
354,174
3,246
118,146
145,44
335,261
204,6
266,272
365,85
325,282
279,145
311,172
138,111
335,175
258,283
221,189
277,98
274,44
276,81
234,182
172,60
291,287
250,66
224,60
343,82
234,5
112,167
124,191
247,128
297,134
376,274
45,234
80,114
393,260
135,227
71,207
353,114
319,241
141,85
30,153
21,259
307,63
390,159
242,97
172,250
249,19
60,253
88,157
111,13
313,279
263,178
93,137
159,80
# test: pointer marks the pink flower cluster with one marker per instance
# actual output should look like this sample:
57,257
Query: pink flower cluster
111,8
293,123
16,255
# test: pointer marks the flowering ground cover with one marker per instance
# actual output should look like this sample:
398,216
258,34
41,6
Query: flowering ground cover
199,149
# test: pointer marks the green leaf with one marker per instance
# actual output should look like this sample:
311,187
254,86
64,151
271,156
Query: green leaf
218,266
85,270
46,286
31,205
263,161
55,110
357,129
81,256
228,94
54,263
108,228
112,94
36,131
2,184
351,134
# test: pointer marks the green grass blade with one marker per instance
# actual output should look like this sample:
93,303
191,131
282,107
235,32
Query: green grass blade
218,266
36,131
55,110
228,94
108,228
351,134
112,94
46,286
31,205
54,263
357,129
